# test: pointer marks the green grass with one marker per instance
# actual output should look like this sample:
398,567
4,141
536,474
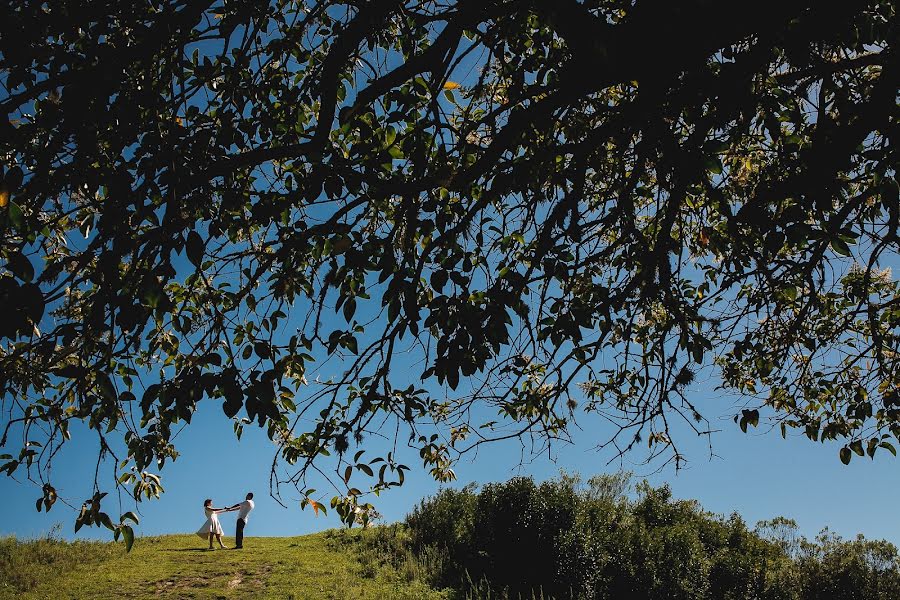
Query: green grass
331,564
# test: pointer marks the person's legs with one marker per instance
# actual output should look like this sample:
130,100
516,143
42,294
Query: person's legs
210,540
219,539
239,534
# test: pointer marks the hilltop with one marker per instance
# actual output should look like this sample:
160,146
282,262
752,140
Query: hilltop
563,538
319,566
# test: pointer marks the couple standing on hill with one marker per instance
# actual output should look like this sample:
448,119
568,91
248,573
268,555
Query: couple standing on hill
212,527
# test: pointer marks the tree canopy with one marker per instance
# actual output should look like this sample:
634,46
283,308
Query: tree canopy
397,217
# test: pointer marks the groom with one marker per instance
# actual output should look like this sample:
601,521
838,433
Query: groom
244,509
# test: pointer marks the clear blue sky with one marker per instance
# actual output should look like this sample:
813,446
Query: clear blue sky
758,475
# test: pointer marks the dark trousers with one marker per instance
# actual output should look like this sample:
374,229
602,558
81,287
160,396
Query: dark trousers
239,534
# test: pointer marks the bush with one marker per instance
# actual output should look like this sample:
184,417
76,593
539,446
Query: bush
447,522
859,569
561,539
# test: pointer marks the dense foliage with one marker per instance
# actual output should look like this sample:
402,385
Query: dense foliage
567,540
339,218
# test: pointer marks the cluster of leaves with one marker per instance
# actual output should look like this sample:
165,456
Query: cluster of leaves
92,515
296,207
349,508
562,539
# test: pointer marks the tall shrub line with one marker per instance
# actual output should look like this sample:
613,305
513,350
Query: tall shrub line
606,538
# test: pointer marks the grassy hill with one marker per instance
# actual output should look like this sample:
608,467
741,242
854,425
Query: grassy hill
331,564
517,539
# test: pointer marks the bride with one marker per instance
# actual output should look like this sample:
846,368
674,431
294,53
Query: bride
212,527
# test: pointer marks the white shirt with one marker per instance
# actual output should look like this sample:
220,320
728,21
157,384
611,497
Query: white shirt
246,507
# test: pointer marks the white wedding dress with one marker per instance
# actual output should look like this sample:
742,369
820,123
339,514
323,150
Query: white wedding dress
212,524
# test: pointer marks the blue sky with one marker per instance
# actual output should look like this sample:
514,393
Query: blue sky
760,475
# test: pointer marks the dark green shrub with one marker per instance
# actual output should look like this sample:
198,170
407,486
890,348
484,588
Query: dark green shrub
561,539
447,522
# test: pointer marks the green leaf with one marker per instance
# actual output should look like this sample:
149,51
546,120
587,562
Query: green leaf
840,247
349,308
107,522
20,266
453,378
439,280
15,216
393,310
194,247
333,187
128,534
13,178
131,516
713,165
871,446
845,455
749,417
